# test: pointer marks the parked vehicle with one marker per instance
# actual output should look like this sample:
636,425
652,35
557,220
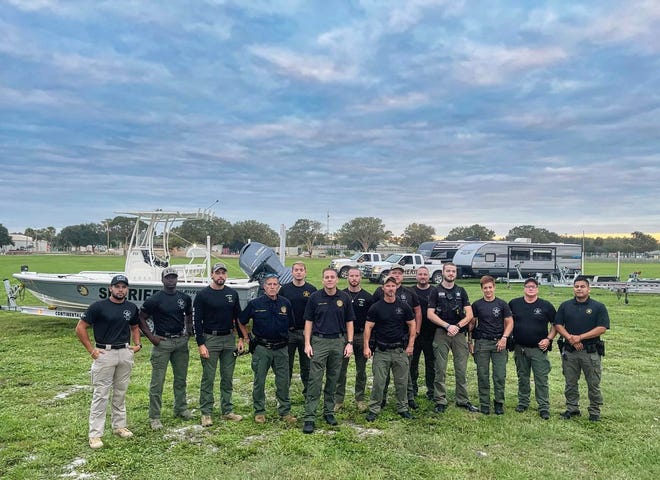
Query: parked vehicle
442,250
524,259
342,265
378,271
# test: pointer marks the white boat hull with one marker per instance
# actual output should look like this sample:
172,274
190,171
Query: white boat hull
79,290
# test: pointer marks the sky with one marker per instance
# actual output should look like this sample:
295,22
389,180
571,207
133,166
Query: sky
441,112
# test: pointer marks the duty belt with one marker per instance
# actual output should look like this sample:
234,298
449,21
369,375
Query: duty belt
218,332
389,346
328,335
271,344
170,335
107,346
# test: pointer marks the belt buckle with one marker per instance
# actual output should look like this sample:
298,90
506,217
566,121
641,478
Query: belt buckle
108,346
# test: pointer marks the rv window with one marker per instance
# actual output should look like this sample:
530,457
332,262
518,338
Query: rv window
489,257
519,254
542,255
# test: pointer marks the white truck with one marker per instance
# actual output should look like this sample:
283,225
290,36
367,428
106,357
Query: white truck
376,272
342,265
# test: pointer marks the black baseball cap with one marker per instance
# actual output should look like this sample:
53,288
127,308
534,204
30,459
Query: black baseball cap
119,279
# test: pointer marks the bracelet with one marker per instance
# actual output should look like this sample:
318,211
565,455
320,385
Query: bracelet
505,336
349,342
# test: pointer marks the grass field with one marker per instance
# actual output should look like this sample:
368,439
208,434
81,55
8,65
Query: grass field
45,395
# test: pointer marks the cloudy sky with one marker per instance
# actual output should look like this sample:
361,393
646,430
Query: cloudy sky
440,112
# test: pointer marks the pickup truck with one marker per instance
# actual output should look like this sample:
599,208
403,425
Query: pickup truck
342,265
378,271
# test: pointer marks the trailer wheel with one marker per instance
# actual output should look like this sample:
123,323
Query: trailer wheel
383,276
343,273
437,277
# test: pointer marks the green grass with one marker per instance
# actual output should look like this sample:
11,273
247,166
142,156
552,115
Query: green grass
45,395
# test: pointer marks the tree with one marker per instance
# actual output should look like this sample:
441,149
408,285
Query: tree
81,235
195,231
5,239
121,229
305,232
251,230
416,233
641,242
473,232
366,232
538,235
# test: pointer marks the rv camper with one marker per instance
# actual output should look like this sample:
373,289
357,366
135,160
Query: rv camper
504,258
442,250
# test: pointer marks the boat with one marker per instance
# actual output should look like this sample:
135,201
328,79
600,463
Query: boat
71,293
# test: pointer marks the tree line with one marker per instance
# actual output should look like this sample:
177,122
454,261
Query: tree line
360,233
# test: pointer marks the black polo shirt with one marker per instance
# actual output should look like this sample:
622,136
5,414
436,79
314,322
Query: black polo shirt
329,314
111,321
579,318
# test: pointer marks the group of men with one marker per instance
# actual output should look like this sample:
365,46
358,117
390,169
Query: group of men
326,327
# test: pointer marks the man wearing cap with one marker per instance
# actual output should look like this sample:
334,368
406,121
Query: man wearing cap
531,316
361,300
298,292
408,296
271,317
393,322
216,310
449,308
114,322
171,314
329,321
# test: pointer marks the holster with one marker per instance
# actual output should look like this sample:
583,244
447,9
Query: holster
253,344
510,343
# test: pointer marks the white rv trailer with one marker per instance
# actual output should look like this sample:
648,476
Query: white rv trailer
504,258
442,250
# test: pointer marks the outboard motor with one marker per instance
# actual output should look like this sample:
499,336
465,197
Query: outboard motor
257,260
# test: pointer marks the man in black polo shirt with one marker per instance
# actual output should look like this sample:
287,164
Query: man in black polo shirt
408,296
298,292
114,321
581,321
494,325
329,320
531,316
271,318
171,314
393,323
216,312
361,301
